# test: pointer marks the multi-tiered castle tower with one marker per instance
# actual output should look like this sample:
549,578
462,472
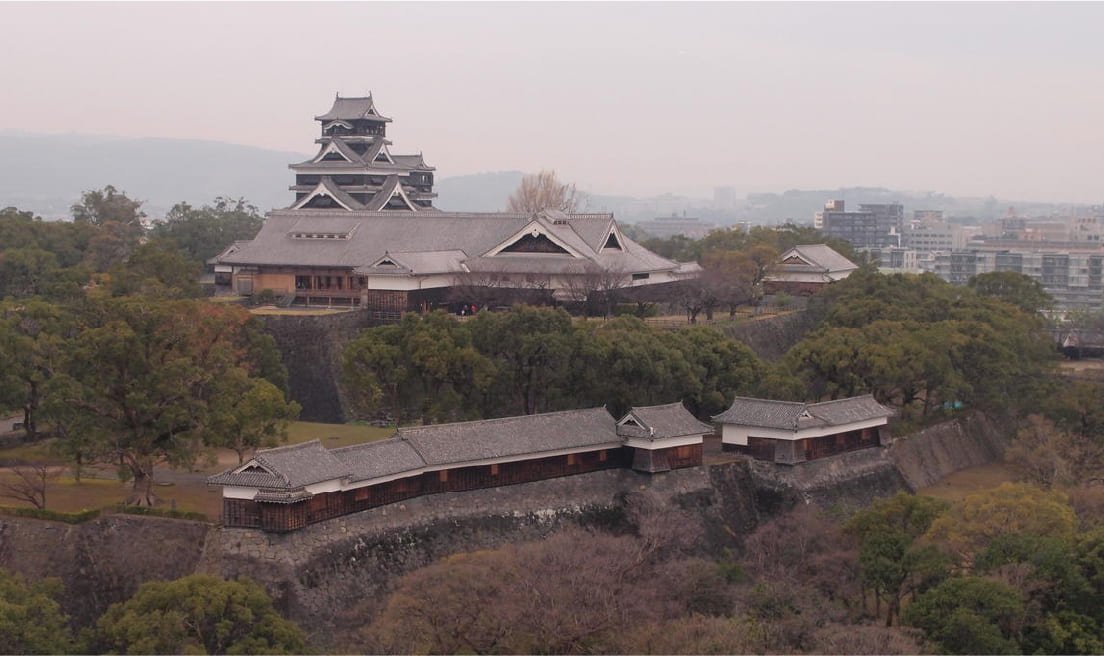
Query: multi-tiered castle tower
354,168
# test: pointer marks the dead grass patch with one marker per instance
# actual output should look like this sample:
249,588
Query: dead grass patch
967,481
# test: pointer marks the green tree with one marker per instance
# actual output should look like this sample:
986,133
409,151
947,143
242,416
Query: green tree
893,562
722,367
969,616
249,413
532,350
624,363
204,232
31,621
157,268
979,518
118,220
141,379
196,614
427,365
26,271
32,338
1011,287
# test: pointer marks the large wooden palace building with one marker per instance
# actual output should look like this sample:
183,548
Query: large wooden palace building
363,232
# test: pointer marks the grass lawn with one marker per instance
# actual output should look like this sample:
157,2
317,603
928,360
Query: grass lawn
336,434
188,489
968,481
310,312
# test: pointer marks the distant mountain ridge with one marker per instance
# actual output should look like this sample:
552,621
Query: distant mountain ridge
46,174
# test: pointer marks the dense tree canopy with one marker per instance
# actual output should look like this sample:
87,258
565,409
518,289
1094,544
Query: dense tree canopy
1022,291
31,621
203,232
196,615
894,563
148,380
531,360
118,220
922,344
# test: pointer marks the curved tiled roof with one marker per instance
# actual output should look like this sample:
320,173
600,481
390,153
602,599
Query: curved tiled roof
790,415
664,421
442,444
433,232
288,467
379,459
352,109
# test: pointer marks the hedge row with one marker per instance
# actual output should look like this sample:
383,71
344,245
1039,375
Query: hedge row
85,515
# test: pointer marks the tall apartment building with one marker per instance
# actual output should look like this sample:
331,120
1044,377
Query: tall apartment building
872,226
1074,278
931,236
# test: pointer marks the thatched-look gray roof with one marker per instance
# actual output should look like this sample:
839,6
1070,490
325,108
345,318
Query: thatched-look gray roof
351,109
285,468
443,444
789,415
365,237
379,459
291,468
661,421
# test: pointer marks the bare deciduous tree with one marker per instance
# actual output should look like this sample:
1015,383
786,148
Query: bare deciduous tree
543,191
29,483
597,286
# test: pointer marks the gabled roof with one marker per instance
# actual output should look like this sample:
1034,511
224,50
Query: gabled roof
378,459
432,232
443,444
389,190
821,256
661,421
412,162
327,187
789,415
285,468
420,262
351,109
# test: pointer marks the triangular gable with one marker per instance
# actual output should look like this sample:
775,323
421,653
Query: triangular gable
614,240
330,149
321,189
795,259
255,467
383,155
388,262
536,235
391,189
630,420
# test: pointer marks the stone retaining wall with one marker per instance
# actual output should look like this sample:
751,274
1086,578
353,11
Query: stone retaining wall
318,573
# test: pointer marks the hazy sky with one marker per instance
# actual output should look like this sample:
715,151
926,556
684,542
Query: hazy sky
633,98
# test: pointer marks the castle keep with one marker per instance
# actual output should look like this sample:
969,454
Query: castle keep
363,233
